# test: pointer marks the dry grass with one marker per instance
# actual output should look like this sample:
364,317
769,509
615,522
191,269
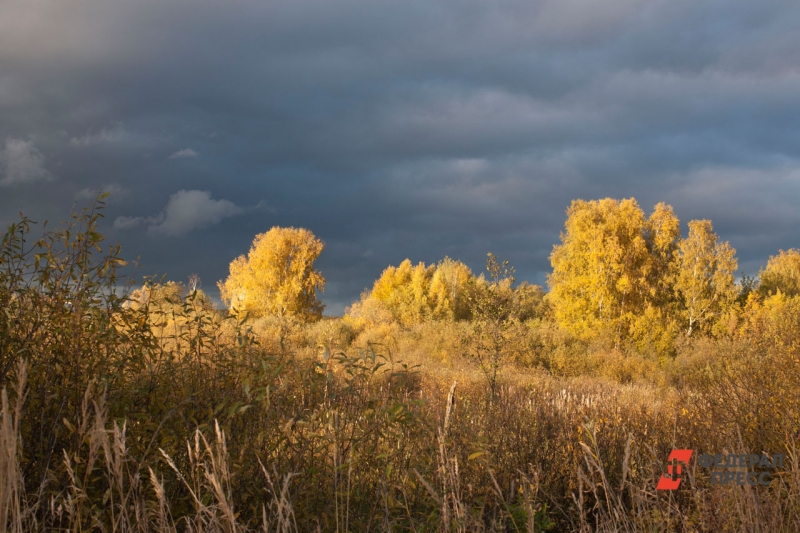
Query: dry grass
135,498
169,416
577,455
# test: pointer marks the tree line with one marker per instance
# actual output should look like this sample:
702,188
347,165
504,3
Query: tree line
616,273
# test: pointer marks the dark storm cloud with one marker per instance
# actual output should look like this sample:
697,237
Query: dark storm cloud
397,129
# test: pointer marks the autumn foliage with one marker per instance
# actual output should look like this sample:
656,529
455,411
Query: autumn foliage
277,276
782,274
620,274
445,399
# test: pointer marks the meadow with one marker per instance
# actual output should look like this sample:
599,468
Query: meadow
151,410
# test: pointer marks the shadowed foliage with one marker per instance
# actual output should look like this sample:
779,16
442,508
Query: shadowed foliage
150,410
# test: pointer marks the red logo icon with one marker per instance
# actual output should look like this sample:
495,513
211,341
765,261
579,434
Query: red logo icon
672,479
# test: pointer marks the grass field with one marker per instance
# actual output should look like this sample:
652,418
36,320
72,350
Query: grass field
169,415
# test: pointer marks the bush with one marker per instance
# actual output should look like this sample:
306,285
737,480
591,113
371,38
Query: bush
149,410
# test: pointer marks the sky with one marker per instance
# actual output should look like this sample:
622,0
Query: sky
397,129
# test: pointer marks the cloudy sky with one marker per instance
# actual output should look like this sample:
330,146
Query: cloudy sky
397,128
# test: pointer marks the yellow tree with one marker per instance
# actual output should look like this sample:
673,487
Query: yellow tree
404,291
277,277
415,293
531,301
448,294
158,295
663,230
603,268
782,274
704,276
655,326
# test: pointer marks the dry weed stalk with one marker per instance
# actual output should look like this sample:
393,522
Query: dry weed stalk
124,507
281,506
11,482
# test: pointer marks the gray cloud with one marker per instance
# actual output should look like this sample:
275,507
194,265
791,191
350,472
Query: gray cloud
414,128
22,162
104,136
186,211
125,222
182,154
116,192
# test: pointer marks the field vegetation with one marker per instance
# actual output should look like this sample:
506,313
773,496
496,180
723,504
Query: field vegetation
443,400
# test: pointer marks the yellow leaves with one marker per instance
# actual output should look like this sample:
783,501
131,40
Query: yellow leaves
448,289
618,274
704,276
602,271
782,274
415,293
663,228
277,276
653,331
772,321
404,291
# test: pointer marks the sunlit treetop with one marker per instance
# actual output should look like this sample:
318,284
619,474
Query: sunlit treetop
277,277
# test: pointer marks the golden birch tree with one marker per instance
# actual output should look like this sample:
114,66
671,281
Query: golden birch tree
662,231
416,293
705,270
782,274
404,291
448,294
602,270
277,277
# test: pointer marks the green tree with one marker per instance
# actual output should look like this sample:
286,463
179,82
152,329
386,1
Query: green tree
63,313
277,277
747,285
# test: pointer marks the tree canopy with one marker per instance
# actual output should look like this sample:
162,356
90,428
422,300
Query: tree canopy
277,277
411,294
621,274
609,264
782,274
704,278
